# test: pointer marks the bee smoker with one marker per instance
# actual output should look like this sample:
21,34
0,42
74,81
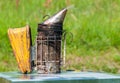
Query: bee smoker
49,44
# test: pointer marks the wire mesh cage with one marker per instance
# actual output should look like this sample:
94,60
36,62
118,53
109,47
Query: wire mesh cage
49,49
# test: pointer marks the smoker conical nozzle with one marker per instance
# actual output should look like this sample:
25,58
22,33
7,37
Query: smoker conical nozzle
58,18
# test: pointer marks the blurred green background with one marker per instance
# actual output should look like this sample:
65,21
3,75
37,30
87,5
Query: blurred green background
95,25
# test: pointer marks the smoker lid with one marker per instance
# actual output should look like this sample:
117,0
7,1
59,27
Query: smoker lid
58,18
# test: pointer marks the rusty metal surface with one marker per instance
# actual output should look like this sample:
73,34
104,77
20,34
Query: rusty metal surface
49,51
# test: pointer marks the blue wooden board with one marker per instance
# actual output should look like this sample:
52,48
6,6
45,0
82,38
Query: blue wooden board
65,77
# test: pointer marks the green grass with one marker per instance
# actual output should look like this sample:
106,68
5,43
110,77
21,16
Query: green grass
95,25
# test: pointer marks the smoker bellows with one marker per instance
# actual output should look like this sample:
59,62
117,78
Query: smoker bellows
46,55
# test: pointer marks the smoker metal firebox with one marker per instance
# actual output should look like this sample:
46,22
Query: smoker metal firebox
49,44
49,48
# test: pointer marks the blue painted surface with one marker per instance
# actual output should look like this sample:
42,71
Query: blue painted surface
65,77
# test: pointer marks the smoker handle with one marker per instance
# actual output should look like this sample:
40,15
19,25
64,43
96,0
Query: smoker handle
46,17
64,39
